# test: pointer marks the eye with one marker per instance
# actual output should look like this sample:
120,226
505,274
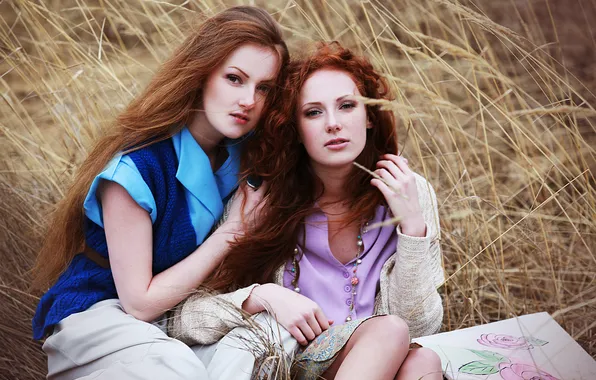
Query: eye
312,113
264,88
347,105
234,78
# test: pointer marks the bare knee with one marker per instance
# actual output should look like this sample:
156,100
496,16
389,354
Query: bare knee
426,355
384,340
393,328
423,362
389,332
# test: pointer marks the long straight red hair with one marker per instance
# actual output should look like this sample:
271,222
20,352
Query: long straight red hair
166,105
284,163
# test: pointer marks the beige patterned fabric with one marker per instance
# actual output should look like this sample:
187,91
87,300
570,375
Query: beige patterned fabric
408,287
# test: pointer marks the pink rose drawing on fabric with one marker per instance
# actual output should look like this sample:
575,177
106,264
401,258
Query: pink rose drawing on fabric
520,371
504,341
492,362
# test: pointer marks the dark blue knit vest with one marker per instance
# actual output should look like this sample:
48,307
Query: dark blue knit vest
84,283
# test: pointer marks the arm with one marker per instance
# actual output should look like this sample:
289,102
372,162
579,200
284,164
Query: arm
204,319
409,280
128,231
413,281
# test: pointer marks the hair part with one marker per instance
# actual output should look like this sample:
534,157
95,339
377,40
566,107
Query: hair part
167,104
292,184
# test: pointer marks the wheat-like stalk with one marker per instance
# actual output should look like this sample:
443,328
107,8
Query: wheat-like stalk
486,110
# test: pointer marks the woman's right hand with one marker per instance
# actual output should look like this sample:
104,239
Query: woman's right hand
298,314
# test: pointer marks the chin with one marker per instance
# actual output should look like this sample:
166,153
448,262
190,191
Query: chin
234,136
347,158
234,133
339,163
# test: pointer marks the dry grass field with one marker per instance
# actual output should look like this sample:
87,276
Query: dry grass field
495,102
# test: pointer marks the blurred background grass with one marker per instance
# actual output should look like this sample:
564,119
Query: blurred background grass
495,102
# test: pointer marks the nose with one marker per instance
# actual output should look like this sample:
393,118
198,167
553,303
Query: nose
248,101
332,125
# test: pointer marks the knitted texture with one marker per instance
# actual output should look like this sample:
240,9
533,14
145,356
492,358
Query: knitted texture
173,234
84,283
408,287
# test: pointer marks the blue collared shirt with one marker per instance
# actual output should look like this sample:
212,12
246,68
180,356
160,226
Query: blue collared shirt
205,190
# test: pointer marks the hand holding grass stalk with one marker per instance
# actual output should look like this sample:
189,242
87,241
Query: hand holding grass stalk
397,182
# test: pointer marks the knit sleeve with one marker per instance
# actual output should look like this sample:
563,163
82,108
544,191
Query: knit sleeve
417,272
206,318
122,170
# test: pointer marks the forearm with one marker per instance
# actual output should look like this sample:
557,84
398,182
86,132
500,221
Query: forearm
206,318
255,303
419,303
419,272
173,285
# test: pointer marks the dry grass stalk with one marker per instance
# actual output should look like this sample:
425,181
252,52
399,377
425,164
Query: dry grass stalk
508,144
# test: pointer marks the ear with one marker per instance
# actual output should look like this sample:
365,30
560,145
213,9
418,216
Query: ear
368,124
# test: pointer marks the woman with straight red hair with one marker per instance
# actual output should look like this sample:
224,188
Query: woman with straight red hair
333,247
132,238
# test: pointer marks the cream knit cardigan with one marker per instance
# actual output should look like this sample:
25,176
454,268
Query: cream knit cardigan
408,287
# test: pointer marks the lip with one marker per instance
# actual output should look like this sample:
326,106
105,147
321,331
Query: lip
337,146
240,117
337,143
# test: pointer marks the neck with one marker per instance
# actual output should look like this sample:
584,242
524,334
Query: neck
206,136
334,181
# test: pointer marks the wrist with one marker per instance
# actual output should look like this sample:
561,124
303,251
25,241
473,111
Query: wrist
231,227
255,303
415,227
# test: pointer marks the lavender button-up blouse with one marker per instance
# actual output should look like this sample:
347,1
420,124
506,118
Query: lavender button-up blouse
327,281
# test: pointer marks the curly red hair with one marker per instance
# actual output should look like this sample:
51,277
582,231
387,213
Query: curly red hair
284,163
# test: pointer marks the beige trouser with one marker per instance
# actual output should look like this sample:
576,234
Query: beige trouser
103,342
233,357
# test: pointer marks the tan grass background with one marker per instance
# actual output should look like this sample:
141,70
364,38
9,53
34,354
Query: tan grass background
495,102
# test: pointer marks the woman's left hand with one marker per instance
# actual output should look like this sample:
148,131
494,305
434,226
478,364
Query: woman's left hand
399,189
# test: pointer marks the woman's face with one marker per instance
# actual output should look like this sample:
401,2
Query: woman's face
235,92
331,123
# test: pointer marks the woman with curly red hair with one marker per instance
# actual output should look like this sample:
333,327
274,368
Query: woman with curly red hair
326,248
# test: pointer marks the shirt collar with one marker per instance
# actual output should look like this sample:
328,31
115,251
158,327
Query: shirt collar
316,224
195,174
227,175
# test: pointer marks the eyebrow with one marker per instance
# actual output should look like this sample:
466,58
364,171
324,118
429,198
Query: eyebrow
319,103
268,81
242,71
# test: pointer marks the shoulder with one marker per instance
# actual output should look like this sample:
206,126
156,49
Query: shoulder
123,171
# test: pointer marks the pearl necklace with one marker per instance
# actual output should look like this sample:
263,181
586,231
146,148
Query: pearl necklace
354,281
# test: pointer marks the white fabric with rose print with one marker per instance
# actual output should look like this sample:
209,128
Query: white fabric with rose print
528,347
